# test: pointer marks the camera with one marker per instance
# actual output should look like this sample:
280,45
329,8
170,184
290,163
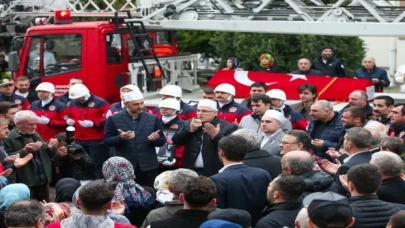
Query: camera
72,148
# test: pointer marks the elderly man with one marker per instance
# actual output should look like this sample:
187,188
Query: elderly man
326,128
24,140
176,181
360,99
228,109
371,72
25,213
304,67
134,134
255,157
200,136
392,185
272,132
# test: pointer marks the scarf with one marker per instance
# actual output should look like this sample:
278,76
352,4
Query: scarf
268,57
167,119
65,188
119,171
46,101
13,193
87,221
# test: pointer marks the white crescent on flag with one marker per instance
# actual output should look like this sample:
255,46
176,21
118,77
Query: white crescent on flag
243,78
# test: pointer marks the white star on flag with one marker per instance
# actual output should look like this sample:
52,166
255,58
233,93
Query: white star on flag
297,76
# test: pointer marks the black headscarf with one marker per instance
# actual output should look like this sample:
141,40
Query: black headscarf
65,188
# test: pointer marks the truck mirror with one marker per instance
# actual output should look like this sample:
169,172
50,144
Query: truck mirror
17,44
13,62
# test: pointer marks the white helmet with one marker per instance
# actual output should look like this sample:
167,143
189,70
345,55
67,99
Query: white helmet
77,91
226,88
46,86
171,90
170,103
130,87
277,94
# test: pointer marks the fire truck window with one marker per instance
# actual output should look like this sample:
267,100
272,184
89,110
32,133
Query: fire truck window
62,53
114,48
163,38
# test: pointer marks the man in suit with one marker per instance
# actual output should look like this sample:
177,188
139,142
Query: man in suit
357,142
392,185
271,128
259,158
134,134
200,136
239,186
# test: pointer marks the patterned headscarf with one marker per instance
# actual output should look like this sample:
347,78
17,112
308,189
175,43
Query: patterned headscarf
269,57
56,212
119,171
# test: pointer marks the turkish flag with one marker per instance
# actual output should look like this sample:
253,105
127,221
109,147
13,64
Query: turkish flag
329,88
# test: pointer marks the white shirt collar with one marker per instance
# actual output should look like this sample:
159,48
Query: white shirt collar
350,157
223,168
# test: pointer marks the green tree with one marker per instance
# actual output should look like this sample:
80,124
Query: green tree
194,41
286,49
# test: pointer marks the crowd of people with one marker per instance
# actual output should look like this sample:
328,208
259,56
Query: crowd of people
324,65
259,163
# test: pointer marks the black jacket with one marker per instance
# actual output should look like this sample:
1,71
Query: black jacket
333,67
264,160
318,181
370,212
367,108
183,218
192,142
308,72
392,190
280,215
273,69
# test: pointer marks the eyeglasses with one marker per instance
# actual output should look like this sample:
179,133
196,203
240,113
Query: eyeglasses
286,143
203,111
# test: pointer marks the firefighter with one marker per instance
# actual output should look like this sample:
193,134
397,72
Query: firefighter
8,94
228,109
171,123
50,112
86,112
65,97
278,98
118,106
173,91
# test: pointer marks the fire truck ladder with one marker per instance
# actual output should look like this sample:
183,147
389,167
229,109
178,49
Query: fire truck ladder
143,46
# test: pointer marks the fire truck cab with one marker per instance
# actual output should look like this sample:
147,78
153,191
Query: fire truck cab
97,52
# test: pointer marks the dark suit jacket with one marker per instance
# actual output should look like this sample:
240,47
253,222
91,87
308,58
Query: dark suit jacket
242,187
264,160
360,158
392,190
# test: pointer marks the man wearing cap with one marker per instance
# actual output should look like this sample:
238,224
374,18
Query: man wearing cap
327,64
272,132
200,136
328,209
260,104
171,123
64,98
8,94
118,106
283,195
278,98
86,112
50,112
228,109
173,91
134,134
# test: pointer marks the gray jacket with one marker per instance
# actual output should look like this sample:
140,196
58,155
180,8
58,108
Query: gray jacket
273,145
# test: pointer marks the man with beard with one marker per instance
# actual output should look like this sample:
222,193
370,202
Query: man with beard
23,88
200,136
327,64
397,116
382,107
134,134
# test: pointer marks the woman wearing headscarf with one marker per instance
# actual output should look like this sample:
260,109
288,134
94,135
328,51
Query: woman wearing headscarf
232,64
138,200
10,194
267,64
65,189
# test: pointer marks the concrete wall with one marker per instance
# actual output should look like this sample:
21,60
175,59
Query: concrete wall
379,48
